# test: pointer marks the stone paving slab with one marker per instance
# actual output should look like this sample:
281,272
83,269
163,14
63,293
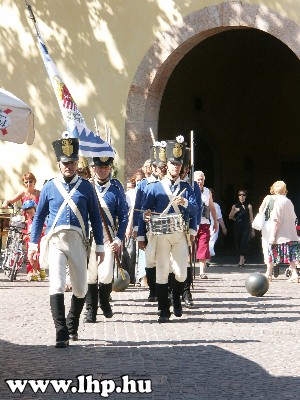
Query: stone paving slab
230,346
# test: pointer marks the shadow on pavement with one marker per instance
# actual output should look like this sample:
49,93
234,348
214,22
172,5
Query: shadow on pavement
192,371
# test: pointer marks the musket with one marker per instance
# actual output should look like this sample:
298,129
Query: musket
106,133
152,136
192,169
109,135
96,127
192,182
192,265
106,227
194,257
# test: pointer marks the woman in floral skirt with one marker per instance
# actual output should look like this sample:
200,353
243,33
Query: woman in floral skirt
284,245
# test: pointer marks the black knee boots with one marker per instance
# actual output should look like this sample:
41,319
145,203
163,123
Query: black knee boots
151,280
176,297
163,302
91,302
104,294
74,316
171,279
187,295
57,306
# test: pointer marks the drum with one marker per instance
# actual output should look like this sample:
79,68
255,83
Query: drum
166,224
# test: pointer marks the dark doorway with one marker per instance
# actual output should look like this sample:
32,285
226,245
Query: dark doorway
288,171
239,91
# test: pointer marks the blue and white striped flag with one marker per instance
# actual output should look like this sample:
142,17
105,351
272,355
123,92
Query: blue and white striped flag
90,144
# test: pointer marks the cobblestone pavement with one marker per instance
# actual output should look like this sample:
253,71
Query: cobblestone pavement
230,346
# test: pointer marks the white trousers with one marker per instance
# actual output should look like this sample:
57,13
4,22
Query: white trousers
174,245
102,273
150,251
67,247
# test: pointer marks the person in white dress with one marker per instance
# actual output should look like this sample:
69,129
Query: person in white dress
215,234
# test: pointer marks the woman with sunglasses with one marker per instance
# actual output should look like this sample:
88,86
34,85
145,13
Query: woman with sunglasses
28,193
242,214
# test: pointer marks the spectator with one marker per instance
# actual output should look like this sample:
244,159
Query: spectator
266,207
215,234
242,214
203,233
33,269
283,240
29,193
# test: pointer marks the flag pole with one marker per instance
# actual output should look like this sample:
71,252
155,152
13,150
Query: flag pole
32,17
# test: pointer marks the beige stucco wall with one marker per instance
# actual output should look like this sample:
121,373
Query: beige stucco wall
98,48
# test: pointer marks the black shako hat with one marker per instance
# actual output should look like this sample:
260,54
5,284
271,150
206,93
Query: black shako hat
161,158
99,161
153,150
66,149
175,150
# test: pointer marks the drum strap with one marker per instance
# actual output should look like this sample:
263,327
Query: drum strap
106,209
171,195
68,200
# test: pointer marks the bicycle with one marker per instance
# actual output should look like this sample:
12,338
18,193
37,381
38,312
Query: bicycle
15,257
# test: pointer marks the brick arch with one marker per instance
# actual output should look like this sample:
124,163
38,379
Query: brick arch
146,91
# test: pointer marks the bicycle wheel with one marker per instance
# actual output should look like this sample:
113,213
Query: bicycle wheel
4,262
14,269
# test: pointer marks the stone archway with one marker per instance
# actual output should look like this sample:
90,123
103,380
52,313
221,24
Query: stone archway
148,86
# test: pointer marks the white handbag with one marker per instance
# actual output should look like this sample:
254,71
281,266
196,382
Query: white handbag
259,221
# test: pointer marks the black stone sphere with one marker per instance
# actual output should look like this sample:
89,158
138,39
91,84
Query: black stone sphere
257,284
119,285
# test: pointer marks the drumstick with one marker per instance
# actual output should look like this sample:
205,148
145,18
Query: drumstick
165,210
152,212
170,205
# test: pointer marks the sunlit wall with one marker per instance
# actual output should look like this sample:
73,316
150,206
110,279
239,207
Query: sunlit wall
97,47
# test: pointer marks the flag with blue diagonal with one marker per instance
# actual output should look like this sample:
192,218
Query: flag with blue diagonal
90,144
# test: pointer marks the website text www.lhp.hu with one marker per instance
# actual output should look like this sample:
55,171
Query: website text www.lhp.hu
82,384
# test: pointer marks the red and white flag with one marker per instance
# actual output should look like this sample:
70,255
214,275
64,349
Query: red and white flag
90,144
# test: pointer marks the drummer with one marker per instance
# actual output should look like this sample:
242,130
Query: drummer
175,200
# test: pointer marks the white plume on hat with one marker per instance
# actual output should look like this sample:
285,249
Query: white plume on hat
65,135
179,139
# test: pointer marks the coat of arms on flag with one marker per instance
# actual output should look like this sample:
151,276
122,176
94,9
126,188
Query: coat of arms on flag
90,144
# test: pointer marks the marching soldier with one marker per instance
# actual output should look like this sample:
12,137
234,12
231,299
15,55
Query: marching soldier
168,206
67,202
115,210
150,264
